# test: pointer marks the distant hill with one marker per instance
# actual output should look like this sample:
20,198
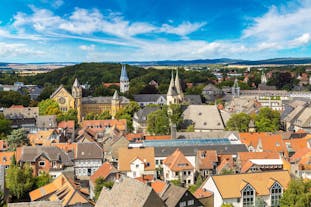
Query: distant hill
276,61
185,62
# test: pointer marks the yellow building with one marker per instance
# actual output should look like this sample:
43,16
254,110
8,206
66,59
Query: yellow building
85,105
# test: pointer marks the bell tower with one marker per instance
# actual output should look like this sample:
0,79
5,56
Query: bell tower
115,104
124,80
77,95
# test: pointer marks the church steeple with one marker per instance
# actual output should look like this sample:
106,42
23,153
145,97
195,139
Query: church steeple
235,89
77,95
124,80
172,89
178,87
263,78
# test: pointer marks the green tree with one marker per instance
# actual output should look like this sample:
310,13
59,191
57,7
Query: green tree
267,120
174,113
49,107
238,122
41,180
5,127
298,194
104,115
158,122
19,181
190,128
71,114
9,98
2,199
127,113
17,138
227,205
99,184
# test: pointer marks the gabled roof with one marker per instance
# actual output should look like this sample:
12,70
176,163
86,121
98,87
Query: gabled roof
245,156
58,89
42,137
128,192
63,188
70,124
173,194
202,193
128,155
6,158
178,162
100,125
206,159
89,150
141,115
158,186
230,186
103,171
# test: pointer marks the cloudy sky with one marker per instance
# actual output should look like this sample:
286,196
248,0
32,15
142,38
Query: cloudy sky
123,30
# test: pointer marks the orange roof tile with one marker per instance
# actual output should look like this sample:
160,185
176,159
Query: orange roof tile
41,137
17,106
245,156
66,124
100,125
103,172
246,166
133,136
107,85
297,144
5,158
66,146
158,186
202,193
145,178
3,145
206,159
158,137
128,155
178,162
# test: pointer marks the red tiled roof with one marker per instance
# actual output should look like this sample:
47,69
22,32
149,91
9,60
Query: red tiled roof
158,186
17,106
107,85
202,193
245,156
5,158
206,159
145,178
133,136
66,124
100,125
159,137
178,162
103,171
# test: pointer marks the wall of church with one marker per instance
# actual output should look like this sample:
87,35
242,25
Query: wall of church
96,108
64,100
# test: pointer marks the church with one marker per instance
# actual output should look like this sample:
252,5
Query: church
97,105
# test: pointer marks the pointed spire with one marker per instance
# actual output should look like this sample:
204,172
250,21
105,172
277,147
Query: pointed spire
76,83
115,95
123,76
171,89
177,84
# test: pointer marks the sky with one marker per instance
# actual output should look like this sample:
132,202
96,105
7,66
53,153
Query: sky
146,30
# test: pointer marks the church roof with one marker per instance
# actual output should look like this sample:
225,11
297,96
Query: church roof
76,83
172,89
103,100
115,95
58,89
123,76
177,84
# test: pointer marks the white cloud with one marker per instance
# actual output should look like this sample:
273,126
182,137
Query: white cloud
87,47
16,50
57,3
183,29
302,40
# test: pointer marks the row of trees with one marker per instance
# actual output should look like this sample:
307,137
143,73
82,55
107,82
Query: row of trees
267,120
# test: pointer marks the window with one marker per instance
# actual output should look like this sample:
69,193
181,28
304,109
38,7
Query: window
248,196
182,204
190,202
276,193
41,163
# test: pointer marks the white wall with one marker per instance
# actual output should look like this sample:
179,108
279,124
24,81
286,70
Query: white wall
210,185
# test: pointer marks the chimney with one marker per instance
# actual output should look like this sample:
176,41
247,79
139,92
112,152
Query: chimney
173,131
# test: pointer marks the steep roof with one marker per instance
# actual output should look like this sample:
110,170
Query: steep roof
66,124
128,155
173,194
206,159
103,100
202,193
245,156
172,89
6,158
89,150
42,137
141,115
230,186
158,186
178,162
128,192
103,171
124,76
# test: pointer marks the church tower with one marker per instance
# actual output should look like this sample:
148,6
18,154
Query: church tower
179,88
124,80
263,78
115,104
172,95
235,90
77,95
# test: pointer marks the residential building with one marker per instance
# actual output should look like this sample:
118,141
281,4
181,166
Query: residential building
6,158
178,167
107,172
140,118
62,189
246,189
112,146
206,162
136,162
129,192
46,122
301,163
88,157
47,159
176,196
210,92
44,137
205,197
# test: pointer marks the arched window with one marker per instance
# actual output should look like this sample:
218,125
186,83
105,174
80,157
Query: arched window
248,196
276,193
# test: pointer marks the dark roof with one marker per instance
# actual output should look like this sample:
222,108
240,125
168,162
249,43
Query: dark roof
193,99
89,151
148,97
37,204
103,100
192,150
173,194
30,154
141,115
47,121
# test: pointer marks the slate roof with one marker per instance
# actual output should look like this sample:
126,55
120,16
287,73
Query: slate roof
36,204
30,154
192,151
148,97
89,150
203,135
204,117
141,115
128,192
46,121
21,112
103,100
173,194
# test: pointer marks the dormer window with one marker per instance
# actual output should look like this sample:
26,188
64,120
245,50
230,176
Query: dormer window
248,196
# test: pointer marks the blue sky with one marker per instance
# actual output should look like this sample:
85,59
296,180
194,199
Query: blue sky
139,30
